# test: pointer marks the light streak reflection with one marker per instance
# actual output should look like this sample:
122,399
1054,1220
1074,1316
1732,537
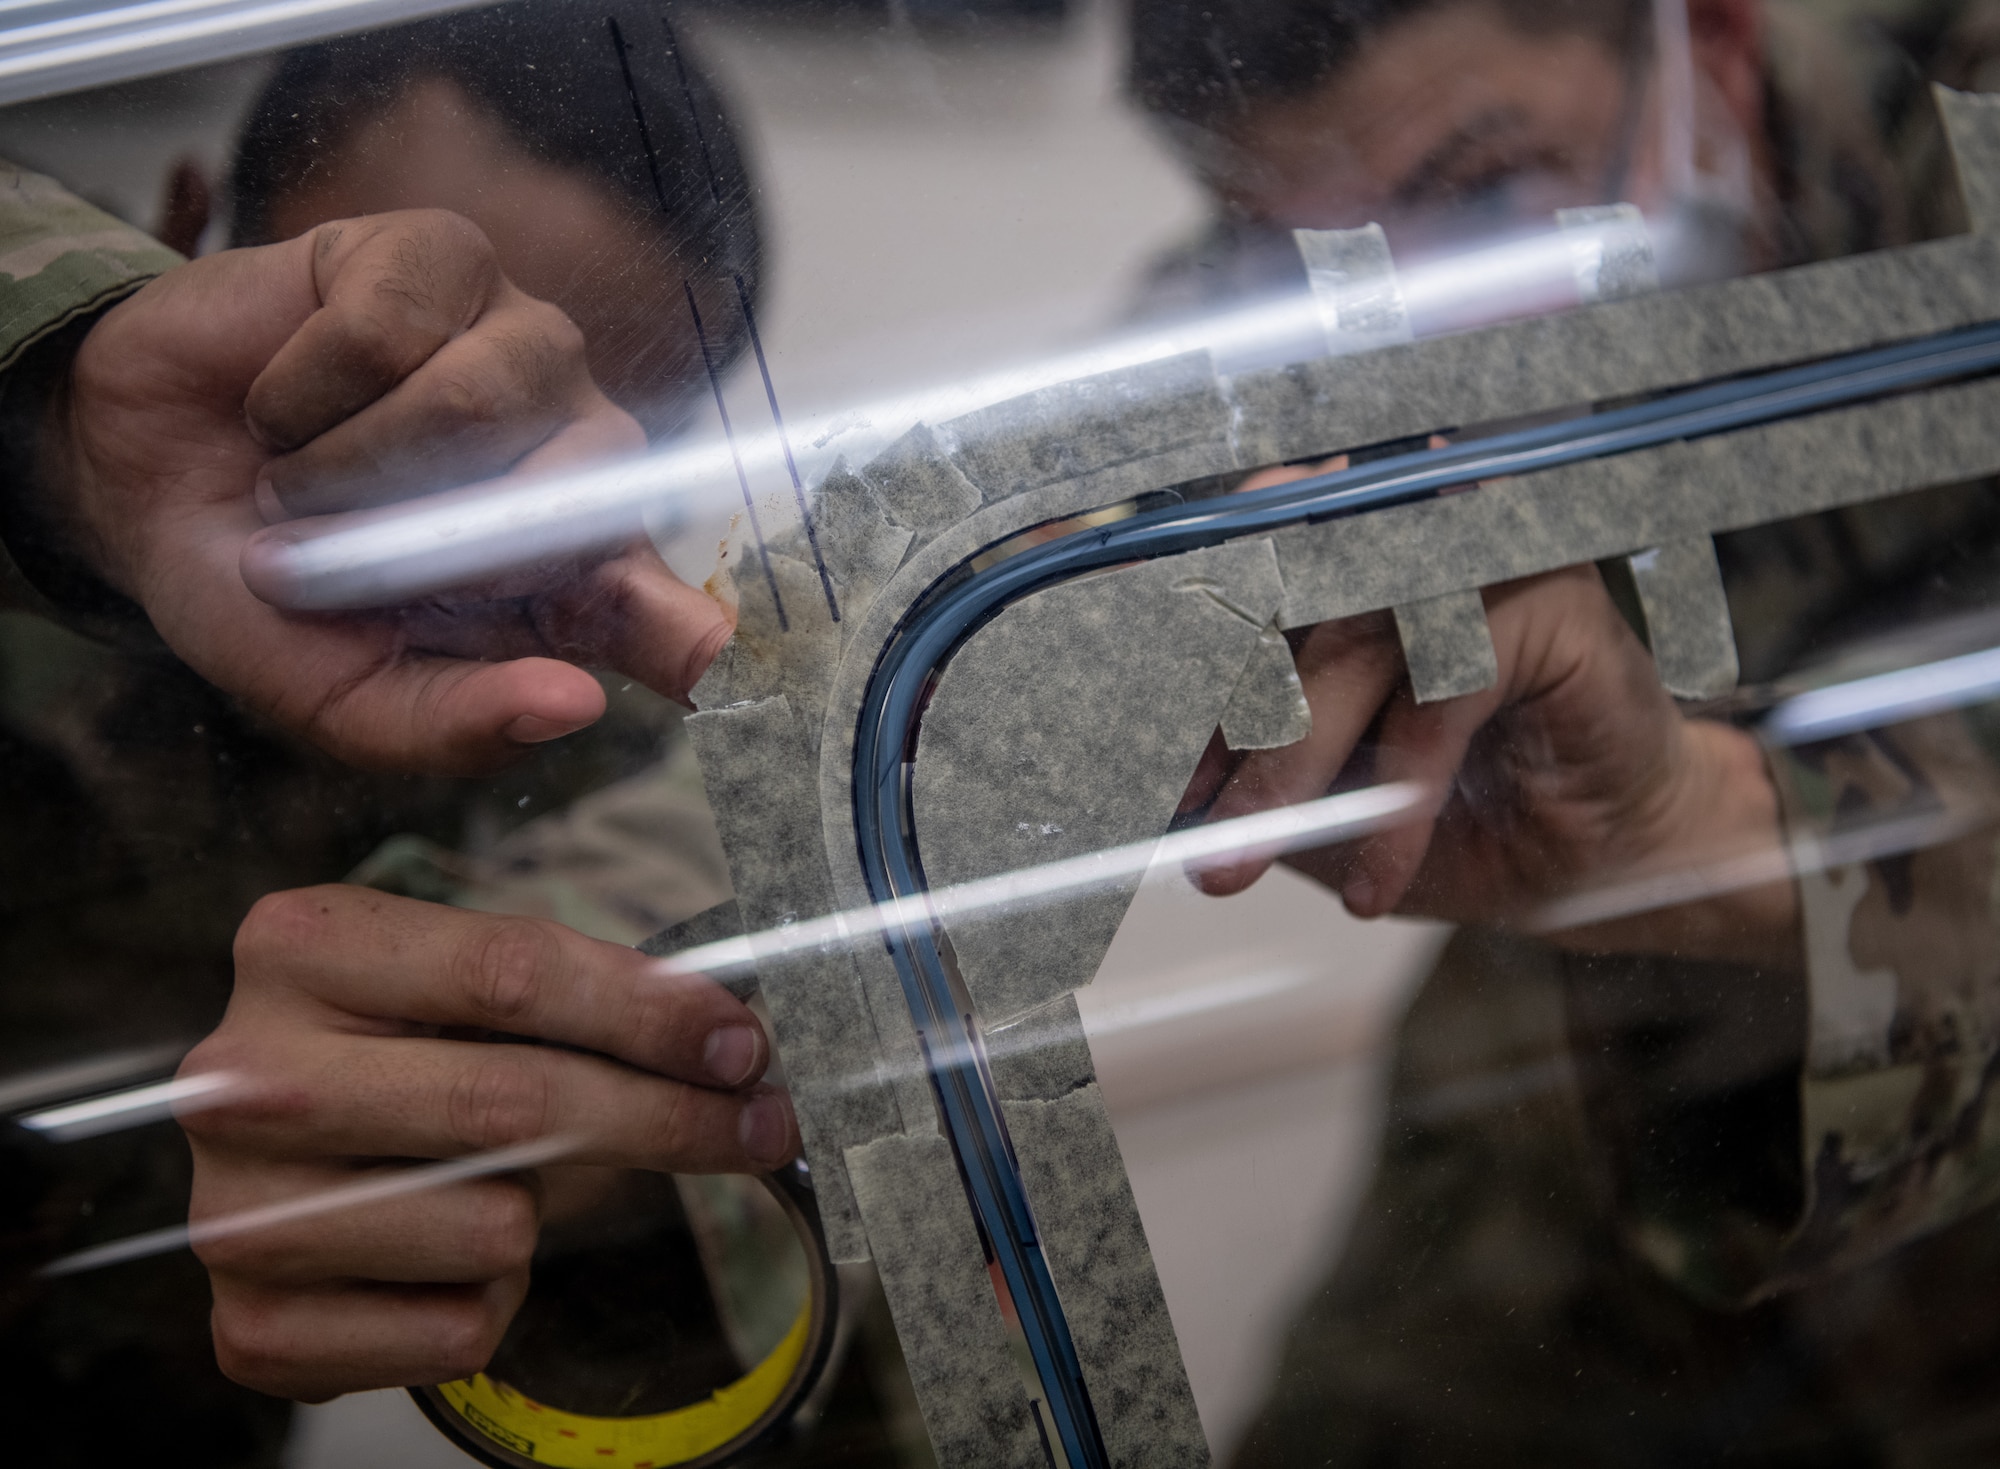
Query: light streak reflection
74,1078
459,537
1335,818
131,1108
381,557
55,46
1885,698
1265,834
1755,868
389,1185
1860,703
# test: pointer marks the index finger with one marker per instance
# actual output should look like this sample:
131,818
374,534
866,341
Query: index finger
377,957
393,289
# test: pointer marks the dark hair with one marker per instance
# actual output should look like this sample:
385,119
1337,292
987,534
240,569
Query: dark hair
632,108
1204,63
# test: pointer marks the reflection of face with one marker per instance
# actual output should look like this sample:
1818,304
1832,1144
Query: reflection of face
1452,108
1451,121
560,233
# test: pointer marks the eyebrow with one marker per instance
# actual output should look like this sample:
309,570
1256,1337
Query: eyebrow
1425,179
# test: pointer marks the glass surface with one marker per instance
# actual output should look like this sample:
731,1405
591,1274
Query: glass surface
1357,559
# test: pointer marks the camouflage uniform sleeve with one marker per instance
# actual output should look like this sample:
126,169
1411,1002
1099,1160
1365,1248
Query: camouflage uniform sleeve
1764,1129
1902,983
61,261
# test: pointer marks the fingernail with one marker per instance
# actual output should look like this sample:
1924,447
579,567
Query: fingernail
532,729
730,1054
1359,894
269,506
1215,881
766,1131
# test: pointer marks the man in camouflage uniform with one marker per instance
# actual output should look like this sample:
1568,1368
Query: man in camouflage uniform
147,809
1637,1209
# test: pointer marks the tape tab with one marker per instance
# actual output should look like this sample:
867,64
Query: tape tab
1447,645
1354,285
1687,617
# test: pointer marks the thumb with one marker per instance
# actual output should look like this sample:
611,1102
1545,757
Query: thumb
633,614
450,716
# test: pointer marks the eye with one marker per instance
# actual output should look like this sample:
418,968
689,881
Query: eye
1491,193
1486,186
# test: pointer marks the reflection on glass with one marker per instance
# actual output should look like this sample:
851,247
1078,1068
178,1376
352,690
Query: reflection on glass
1570,1074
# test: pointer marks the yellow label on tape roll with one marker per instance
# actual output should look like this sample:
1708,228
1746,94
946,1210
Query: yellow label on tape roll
575,1441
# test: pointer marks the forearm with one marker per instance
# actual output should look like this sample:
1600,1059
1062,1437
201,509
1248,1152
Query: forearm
46,562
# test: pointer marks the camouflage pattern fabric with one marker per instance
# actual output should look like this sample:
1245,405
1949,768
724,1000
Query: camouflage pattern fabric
1903,991
1489,1310
61,263
1634,1210
61,259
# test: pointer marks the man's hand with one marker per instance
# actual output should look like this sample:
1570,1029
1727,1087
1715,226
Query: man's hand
1575,771
338,1040
366,360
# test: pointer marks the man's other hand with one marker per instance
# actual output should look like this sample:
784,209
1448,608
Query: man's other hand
1575,770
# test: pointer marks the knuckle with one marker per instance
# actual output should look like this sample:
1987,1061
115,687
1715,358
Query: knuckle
465,1337
656,1021
470,401
656,1031
501,1099
503,969
500,1239
550,327
535,364
433,256
449,234
247,1255
253,1346
327,240
212,1124
379,345
278,926
256,1085
678,1127
217,1051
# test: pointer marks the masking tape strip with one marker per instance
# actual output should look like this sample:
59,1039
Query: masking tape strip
762,789
933,1271
1447,646
1687,617
1094,1239
1070,724
1612,507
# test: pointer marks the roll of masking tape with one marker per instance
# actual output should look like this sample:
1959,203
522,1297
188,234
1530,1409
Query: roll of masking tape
500,1425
